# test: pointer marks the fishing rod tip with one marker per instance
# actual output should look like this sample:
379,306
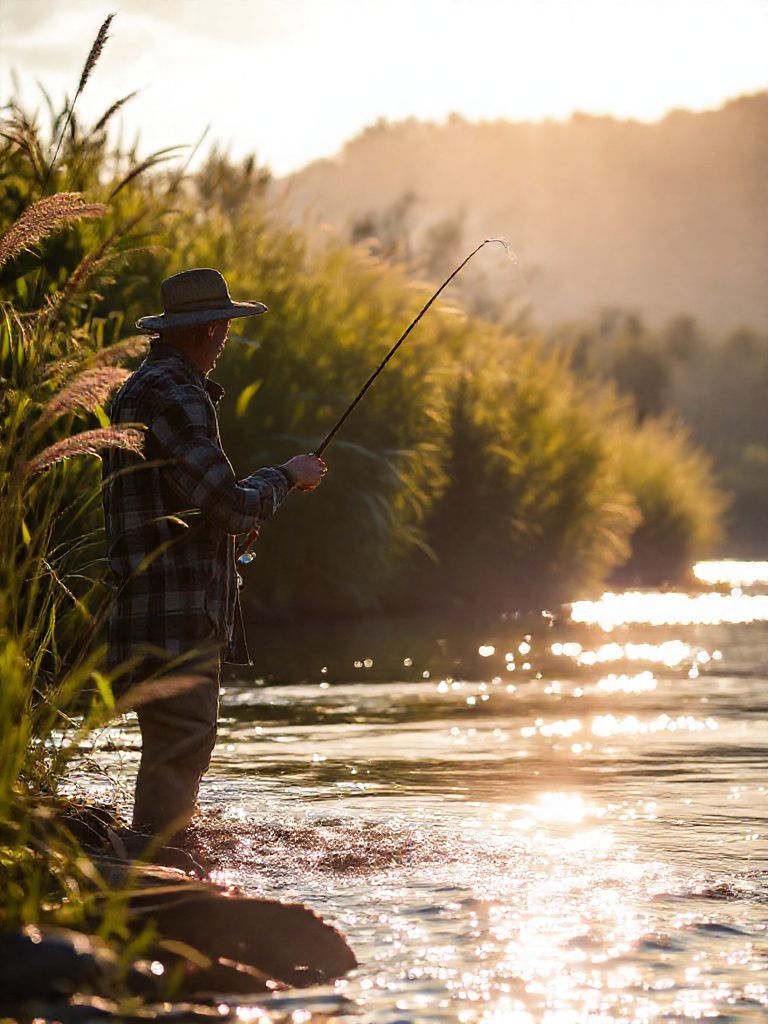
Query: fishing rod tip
507,247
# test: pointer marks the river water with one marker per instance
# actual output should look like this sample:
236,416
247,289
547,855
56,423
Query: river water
576,833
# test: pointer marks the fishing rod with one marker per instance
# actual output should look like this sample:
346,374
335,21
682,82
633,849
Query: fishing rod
246,555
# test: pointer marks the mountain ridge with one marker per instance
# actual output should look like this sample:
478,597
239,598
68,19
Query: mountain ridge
662,218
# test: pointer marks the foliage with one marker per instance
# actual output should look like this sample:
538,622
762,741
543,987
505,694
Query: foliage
535,508
57,368
714,385
51,594
680,511
550,509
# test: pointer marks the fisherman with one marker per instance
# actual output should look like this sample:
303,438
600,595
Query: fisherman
171,520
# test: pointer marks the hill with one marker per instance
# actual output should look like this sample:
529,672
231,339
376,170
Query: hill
660,218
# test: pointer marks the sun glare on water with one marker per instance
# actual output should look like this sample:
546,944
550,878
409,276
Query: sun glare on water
662,609
670,653
732,573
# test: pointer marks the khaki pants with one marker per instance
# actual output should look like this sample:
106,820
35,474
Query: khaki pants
178,734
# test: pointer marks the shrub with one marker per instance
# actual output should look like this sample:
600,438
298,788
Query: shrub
534,508
680,505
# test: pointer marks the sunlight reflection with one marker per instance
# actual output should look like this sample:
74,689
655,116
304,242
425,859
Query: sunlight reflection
570,807
251,1014
732,573
611,725
670,653
643,682
532,859
656,609
508,1011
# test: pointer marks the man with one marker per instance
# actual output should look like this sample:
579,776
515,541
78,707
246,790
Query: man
171,521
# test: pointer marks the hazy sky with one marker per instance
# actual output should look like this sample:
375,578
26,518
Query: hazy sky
291,80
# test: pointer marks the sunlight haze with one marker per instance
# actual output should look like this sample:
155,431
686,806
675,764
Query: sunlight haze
291,81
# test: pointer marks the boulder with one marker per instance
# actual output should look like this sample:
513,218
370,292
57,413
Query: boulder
259,944
46,961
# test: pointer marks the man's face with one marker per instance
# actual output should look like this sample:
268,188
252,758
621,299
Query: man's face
218,333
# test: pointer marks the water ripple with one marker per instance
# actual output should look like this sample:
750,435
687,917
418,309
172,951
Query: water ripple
576,833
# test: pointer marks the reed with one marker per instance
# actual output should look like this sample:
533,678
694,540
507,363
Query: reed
110,112
51,588
91,61
89,442
43,218
120,351
87,390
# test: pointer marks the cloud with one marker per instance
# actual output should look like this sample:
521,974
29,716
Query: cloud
291,80
242,21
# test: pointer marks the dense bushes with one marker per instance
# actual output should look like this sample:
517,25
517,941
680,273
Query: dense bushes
535,509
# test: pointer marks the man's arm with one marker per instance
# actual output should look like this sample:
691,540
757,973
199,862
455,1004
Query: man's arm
200,472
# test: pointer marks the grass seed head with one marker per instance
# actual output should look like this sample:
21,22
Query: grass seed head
89,442
44,217
87,391
95,52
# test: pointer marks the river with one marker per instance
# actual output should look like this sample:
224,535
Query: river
576,830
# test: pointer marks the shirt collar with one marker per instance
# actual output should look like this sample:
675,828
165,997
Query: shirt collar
215,390
163,350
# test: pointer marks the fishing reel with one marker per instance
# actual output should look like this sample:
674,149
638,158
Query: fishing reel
246,555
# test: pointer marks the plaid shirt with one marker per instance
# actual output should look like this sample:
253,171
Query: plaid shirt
172,517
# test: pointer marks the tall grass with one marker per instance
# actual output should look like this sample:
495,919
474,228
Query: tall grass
57,370
535,508
50,595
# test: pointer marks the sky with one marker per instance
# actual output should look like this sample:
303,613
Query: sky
292,80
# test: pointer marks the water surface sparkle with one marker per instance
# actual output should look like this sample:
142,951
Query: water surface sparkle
665,609
732,573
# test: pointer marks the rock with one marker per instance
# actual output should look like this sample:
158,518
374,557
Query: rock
283,942
87,1010
75,1011
88,824
127,845
222,975
247,945
47,961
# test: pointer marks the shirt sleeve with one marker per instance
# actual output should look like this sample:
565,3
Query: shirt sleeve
200,472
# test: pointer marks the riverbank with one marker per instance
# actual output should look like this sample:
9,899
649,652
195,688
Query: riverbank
181,935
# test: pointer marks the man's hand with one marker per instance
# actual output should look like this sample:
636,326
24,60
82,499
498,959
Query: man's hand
306,470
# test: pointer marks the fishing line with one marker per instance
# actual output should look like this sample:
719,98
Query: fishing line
246,555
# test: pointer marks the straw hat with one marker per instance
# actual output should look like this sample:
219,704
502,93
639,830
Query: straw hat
196,297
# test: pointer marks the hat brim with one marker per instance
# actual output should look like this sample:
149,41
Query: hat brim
167,321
